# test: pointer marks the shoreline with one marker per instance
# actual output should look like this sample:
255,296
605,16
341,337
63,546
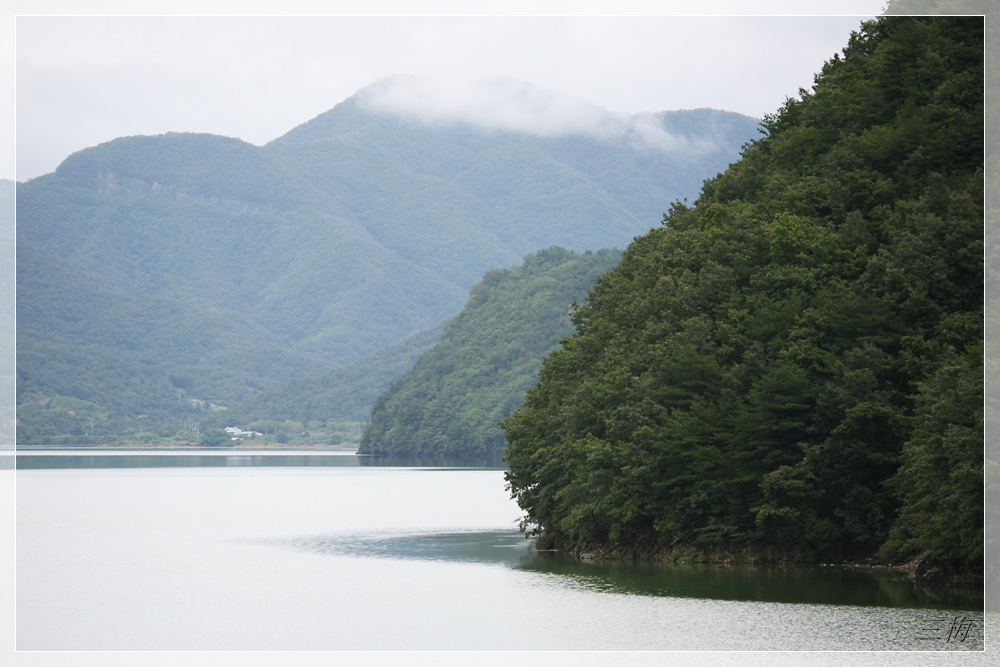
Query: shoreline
935,573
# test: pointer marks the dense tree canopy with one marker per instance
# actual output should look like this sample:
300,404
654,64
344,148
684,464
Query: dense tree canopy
791,366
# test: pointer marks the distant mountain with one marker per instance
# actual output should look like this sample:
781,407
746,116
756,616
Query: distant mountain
218,270
489,355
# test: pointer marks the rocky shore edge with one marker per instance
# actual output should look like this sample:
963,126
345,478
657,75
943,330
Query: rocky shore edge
925,571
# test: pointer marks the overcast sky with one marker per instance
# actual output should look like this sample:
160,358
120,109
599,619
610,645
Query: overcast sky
82,80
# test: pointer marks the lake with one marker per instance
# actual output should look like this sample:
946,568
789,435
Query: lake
305,550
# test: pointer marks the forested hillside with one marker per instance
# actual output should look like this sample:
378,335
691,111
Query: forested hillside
792,366
488,356
161,275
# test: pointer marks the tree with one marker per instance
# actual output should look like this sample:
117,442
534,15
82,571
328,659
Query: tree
215,437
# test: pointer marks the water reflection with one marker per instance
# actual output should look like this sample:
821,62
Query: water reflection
87,461
800,584
66,460
791,584
473,463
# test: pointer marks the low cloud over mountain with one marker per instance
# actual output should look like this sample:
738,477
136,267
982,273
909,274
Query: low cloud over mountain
517,106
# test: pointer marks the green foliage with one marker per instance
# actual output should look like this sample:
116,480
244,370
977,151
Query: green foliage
790,366
488,356
215,437
941,479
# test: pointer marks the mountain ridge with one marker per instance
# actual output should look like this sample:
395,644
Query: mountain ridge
326,246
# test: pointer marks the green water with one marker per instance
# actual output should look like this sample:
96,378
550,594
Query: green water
788,584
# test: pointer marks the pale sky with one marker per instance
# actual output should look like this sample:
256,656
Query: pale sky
105,72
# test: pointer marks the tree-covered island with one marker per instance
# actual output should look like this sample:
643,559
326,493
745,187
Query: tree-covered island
790,367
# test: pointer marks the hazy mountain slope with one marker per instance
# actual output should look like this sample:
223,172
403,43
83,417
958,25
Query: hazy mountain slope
136,355
343,394
279,259
508,193
528,190
350,233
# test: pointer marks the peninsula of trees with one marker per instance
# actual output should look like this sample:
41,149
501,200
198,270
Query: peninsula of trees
792,365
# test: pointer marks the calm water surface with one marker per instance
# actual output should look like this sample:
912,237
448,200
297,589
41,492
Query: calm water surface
329,551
